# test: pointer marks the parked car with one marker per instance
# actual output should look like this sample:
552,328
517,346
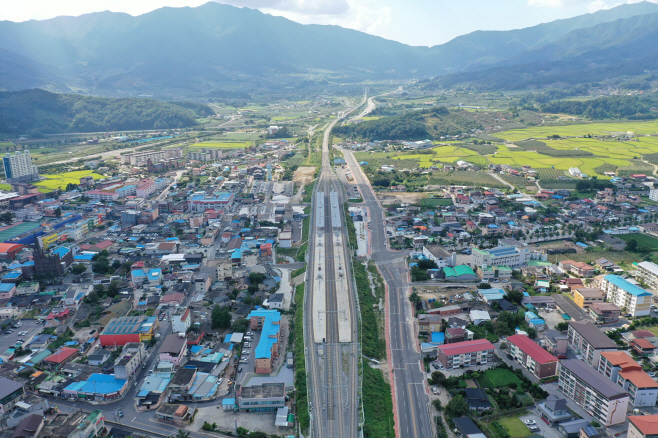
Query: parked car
247,344
240,370
250,334
530,422
120,413
246,352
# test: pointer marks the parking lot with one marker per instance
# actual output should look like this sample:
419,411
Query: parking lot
8,339
249,366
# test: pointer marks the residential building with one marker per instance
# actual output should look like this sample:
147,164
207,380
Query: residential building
142,158
477,399
629,297
465,354
603,400
457,334
585,297
199,202
99,357
467,428
642,426
11,392
604,313
19,168
535,359
625,372
554,410
429,323
556,343
92,426
267,350
440,256
181,320
643,347
577,268
586,339
648,272
178,415
29,427
173,349
97,387
132,357
267,397
61,356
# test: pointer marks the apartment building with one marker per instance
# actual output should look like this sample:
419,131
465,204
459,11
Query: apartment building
648,272
466,354
619,367
132,357
600,398
586,339
604,313
19,167
629,297
584,297
142,158
528,353
577,268
440,256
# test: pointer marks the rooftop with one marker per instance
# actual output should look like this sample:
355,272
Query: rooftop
591,333
466,347
266,390
532,349
646,424
593,379
627,286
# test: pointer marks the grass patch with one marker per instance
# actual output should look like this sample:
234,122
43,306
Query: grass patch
515,427
435,202
643,240
301,393
308,192
499,377
5,187
61,180
351,229
377,405
372,344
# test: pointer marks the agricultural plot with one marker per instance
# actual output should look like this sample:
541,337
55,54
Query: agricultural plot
435,202
499,377
643,240
60,181
604,128
515,427
220,145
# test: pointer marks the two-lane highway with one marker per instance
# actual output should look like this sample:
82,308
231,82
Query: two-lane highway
412,400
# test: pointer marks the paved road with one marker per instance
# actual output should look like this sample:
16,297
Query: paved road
411,399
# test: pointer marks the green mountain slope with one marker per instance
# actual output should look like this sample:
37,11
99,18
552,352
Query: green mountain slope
41,112
431,123
215,46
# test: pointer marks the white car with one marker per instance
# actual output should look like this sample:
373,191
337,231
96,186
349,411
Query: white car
530,422
246,352
249,334
247,344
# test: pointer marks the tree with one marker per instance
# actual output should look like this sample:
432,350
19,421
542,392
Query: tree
438,378
256,278
631,245
427,264
437,404
58,212
457,407
220,318
515,296
532,333
562,326
79,269
182,434
113,289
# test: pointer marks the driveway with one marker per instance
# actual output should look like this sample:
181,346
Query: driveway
9,339
544,429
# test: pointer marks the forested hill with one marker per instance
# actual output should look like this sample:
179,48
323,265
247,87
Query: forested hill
36,112
413,125
610,107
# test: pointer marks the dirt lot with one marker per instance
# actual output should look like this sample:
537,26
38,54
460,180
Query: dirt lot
304,175
559,244
427,292
390,198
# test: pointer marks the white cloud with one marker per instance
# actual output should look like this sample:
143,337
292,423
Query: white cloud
556,3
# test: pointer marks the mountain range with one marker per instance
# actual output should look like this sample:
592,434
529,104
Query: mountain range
219,47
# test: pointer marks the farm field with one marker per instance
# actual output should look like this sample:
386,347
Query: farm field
499,377
61,180
220,145
599,128
643,240
515,427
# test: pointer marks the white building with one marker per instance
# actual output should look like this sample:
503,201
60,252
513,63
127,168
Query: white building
440,256
629,297
19,167
509,254
648,272
181,321
625,372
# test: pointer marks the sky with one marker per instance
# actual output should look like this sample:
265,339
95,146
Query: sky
415,22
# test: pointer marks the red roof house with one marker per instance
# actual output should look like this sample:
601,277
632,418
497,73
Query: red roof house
62,356
537,360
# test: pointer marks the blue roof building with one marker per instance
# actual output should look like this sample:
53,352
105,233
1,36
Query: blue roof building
269,321
101,386
626,295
